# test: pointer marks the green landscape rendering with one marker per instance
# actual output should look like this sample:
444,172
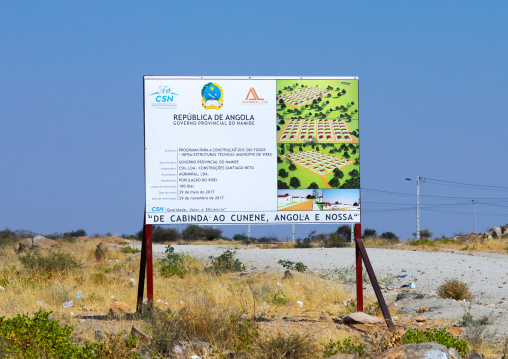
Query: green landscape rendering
317,134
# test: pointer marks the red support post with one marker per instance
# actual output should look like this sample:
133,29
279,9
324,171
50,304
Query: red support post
359,273
149,264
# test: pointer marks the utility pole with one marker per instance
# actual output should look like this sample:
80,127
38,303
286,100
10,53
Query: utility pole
293,233
248,229
474,205
418,179
418,207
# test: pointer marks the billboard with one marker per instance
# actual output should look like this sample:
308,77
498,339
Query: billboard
257,150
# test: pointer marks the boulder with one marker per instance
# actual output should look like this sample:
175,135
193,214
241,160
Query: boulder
183,349
421,350
140,335
120,308
343,356
37,242
360,317
496,232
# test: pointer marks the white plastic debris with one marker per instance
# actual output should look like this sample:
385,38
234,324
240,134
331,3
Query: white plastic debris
2,288
133,281
39,302
195,357
412,285
112,297
300,303
72,313
68,304
79,295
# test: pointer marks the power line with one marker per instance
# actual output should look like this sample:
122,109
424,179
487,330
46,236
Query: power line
462,184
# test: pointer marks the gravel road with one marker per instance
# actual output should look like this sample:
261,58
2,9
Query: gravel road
486,274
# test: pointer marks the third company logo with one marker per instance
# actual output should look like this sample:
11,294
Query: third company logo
253,98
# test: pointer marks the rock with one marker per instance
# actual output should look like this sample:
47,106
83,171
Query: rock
120,308
455,330
421,350
360,317
35,243
342,356
409,295
497,233
140,335
420,319
185,350
100,335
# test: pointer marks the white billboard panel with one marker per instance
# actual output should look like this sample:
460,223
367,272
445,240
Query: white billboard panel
251,150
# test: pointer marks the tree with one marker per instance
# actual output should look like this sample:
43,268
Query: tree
281,101
278,128
389,235
346,155
193,233
279,160
313,185
315,193
337,173
334,182
283,173
344,231
292,167
283,106
282,185
369,232
354,173
424,233
211,233
294,182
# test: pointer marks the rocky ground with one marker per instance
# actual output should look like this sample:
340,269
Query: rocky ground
486,274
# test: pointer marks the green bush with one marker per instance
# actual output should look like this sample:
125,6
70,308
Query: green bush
41,337
37,262
422,242
172,264
414,336
129,249
298,266
225,263
346,346
454,289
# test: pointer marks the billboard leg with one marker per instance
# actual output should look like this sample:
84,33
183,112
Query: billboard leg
359,274
368,266
142,266
149,264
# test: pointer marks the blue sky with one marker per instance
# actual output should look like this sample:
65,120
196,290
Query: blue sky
432,101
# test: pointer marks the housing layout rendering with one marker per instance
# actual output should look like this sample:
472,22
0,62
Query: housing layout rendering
316,162
317,143
302,97
322,130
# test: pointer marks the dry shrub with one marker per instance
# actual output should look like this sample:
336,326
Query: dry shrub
454,289
284,345
57,294
164,328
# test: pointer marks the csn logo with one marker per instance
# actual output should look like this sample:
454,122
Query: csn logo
157,209
164,94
